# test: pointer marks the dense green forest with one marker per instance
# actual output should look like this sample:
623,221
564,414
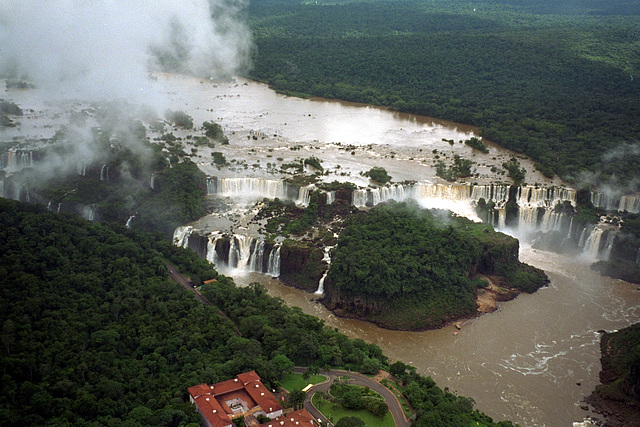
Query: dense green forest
410,268
554,80
94,332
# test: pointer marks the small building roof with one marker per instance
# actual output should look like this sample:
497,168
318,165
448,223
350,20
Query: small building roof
199,390
248,377
263,397
300,418
225,387
212,411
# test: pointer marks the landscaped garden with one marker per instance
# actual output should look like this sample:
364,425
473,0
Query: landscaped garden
347,400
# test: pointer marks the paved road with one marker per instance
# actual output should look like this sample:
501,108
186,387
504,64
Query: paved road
355,379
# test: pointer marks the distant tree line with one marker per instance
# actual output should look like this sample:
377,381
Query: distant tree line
559,87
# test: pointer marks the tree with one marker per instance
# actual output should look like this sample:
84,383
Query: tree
297,398
352,399
214,131
350,422
378,174
282,365
398,369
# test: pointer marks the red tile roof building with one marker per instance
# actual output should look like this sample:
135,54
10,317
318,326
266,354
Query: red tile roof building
241,396
300,418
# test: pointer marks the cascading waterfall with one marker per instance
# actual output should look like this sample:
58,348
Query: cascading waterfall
128,223
88,212
304,195
608,246
2,188
82,169
590,241
258,188
245,253
326,258
530,211
273,265
331,197
104,173
15,160
212,254
612,202
629,204
181,236
251,187
152,181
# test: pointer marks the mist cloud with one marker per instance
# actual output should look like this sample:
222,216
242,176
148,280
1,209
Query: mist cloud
107,48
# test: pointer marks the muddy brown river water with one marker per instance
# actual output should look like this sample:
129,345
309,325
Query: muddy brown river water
523,362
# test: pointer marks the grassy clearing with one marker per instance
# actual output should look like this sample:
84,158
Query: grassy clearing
295,381
334,412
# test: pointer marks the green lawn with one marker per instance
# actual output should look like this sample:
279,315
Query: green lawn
334,412
295,381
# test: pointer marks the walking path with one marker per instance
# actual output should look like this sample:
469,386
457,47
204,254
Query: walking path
356,379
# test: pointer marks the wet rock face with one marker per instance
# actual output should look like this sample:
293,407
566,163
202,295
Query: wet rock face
301,266
346,306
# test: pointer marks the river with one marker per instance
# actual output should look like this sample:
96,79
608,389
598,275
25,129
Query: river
523,362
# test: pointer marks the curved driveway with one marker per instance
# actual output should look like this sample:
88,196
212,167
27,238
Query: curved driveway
355,379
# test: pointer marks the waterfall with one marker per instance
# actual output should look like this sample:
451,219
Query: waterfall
273,266
250,188
15,160
255,261
49,205
59,206
331,197
374,196
128,223
259,188
88,212
82,168
152,181
212,185
2,188
612,202
181,236
326,258
608,246
246,253
104,173
630,204
212,242
591,245
304,195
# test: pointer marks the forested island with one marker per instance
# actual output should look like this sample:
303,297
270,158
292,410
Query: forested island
94,332
403,267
